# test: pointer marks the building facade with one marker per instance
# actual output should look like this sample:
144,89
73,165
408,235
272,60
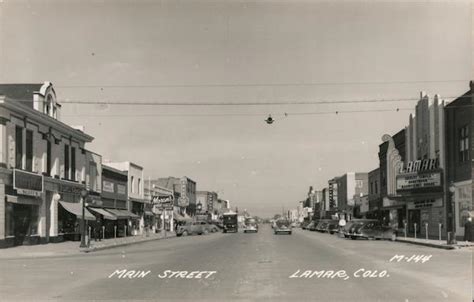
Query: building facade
42,168
136,202
418,179
459,163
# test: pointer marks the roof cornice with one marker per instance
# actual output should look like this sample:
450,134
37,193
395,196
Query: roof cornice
44,119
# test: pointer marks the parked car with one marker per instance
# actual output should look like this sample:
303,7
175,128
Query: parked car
331,227
376,230
304,225
321,226
310,226
346,230
192,228
282,226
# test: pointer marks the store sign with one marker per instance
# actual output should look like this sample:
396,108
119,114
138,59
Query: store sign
425,203
27,183
108,186
421,165
121,189
418,181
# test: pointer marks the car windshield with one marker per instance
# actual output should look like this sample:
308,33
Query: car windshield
282,223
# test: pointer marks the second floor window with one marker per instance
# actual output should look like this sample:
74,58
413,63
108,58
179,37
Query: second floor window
464,144
73,163
66,162
132,184
18,147
48,158
29,150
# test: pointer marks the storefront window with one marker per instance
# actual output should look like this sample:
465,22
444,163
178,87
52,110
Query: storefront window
9,219
67,222
34,220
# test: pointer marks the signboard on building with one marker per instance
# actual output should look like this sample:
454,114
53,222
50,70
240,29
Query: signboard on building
421,165
418,181
27,183
108,186
425,203
121,189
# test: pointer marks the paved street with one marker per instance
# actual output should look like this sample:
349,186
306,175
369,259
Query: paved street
248,267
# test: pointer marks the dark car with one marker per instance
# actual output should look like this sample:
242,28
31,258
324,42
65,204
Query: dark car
331,227
282,226
347,228
321,226
310,226
376,230
304,225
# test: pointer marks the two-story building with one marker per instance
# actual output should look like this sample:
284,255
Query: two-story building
459,162
42,168
135,194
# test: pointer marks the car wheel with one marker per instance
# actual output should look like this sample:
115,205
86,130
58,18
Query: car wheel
289,233
185,233
393,237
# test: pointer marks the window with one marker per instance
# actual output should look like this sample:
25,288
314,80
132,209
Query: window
93,176
29,150
371,188
132,184
376,188
18,147
73,163
464,144
66,162
48,158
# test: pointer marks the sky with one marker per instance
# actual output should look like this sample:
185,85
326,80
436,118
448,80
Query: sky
240,52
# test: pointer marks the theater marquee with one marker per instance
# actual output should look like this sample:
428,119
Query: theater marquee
418,181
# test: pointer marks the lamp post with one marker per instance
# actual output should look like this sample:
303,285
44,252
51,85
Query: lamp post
84,224
452,235
199,207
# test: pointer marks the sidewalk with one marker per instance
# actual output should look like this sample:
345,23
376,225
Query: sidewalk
435,243
72,247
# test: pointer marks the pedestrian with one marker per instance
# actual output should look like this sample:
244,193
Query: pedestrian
468,229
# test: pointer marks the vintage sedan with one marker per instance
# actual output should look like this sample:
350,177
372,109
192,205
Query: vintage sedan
192,228
378,231
346,230
282,226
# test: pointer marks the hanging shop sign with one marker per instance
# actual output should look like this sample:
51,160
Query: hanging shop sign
27,183
425,203
418,181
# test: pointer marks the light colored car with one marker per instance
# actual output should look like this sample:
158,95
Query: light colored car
282,226
192,228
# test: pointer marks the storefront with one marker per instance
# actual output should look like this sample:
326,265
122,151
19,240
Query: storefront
421,187
463,204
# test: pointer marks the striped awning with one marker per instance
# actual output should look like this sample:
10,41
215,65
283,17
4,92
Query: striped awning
123,214
103,212
76,209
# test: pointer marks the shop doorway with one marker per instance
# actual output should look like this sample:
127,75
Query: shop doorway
22,217
414,216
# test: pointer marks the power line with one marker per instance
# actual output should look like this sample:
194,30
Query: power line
222,85
285,114
242,103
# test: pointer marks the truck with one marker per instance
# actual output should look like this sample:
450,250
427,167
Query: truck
230,222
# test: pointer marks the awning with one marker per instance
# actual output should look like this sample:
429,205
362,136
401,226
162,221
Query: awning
104,213
180,217
149,213
76,209
123,214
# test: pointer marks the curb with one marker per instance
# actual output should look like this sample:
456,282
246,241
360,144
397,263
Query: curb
439,246
100,248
